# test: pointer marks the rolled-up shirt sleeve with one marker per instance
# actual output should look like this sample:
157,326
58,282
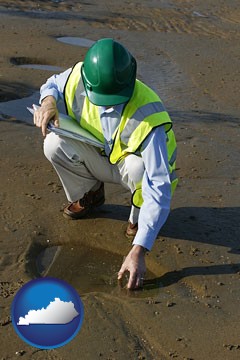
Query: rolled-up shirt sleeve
156,189
54,86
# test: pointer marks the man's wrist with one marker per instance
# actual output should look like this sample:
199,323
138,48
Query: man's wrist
49,100
140,249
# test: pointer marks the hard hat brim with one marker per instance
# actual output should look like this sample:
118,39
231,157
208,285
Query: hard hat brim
110,99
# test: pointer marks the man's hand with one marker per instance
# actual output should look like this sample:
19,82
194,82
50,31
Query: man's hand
134,263
48,111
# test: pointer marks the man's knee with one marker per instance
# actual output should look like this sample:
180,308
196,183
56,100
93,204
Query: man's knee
51,145
135,168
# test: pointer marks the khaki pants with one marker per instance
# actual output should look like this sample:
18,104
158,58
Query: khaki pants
81,168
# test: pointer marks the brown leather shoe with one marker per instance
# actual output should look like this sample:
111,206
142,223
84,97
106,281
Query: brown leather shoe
80,208
131,230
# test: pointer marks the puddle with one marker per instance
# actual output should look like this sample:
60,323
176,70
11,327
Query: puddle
17,109
33,63
41,67
87,269
76,41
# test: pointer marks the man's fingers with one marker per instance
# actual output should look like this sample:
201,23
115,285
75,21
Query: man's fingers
132,280
37,118
120,277
56,122
34,118
44,124
44,114
120,273
56,119
44,128
135,280
122,269
139,281
134,264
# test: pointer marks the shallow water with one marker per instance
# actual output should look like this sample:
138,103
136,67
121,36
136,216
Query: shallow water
88,270
17,109
76,41
41,67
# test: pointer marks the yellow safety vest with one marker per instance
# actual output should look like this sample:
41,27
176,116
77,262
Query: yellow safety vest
141,115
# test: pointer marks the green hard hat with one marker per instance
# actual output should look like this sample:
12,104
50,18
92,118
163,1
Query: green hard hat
108,73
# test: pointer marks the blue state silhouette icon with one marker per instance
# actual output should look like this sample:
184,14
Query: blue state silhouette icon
47,313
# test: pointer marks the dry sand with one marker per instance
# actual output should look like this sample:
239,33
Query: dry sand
189,308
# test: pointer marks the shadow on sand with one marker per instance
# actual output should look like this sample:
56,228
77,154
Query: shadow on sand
208,225
213,226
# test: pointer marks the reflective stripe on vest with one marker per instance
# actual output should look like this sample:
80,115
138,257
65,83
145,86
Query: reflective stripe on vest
137,199
73,86
79,107
142,113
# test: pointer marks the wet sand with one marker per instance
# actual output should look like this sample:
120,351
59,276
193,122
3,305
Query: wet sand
189,307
